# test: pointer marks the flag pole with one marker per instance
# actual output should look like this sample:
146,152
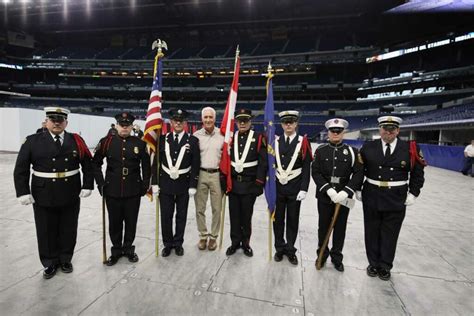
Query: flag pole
269,76
159,54
224,198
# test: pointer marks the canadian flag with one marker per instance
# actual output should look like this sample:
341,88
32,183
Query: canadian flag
227,126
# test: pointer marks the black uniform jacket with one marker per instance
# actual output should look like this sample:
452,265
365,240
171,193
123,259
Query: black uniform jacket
40,151
337,163
128,166
396,167
191,158
301,182
252,179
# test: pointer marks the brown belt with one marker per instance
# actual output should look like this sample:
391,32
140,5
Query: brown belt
209,170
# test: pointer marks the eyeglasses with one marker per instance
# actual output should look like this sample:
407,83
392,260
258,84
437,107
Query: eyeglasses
56,119
389,128
336,130
243,121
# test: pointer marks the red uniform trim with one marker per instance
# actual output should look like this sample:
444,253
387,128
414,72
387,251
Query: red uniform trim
81,146
414,156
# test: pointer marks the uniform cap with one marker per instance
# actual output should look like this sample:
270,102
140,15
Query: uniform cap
389,120
286,116
125,118
178,114
336,123
243,114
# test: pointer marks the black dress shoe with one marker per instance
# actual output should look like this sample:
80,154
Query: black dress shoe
372,271
133,257
384,274
179,251
112,260
66,267
166,251
49,272
230,251
339,266
248,251
293,259
278,256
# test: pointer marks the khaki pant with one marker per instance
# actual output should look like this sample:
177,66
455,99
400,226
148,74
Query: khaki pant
208,183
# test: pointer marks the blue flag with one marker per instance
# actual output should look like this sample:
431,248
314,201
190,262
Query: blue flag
270,184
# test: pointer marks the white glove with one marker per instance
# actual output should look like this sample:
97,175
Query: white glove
410,199
155,189
85,193
341,196
359,195
301,196
192,191
331,193
26,199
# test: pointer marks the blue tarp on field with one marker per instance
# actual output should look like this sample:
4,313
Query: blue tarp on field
446,157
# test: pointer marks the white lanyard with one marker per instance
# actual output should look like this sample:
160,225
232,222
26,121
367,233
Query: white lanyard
286,175
173,170
240,164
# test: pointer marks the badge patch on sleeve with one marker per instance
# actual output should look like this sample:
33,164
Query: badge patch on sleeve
359,158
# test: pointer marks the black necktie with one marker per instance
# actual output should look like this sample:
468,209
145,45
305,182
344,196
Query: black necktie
387,150
57,141
287,143
176,140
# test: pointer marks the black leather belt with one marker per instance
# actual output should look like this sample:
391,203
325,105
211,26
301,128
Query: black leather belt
210,170
240,178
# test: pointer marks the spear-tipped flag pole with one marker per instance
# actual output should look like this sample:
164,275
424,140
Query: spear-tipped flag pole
270,184
227,129
153,124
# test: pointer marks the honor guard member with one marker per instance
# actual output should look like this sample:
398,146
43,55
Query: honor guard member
337,174
293,164
57,157
179,174
127,179
248,170
394,177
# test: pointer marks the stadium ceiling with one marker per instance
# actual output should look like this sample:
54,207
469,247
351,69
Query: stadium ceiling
69,17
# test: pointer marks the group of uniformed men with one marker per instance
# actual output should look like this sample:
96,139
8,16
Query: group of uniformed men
188,166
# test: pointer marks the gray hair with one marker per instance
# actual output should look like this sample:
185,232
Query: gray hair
208,108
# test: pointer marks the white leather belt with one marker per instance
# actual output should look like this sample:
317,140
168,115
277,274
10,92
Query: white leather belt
284,178
174,172
55,175
239,166
386,184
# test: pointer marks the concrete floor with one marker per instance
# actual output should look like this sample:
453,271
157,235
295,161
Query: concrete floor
433,270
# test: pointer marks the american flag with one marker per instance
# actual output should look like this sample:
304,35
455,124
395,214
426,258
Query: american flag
227,126
154,119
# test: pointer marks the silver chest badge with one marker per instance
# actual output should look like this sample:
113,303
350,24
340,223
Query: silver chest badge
345,152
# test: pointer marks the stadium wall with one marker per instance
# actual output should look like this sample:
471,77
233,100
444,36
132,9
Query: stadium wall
19,123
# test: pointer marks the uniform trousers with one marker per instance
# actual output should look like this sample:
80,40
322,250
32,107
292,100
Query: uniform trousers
56,231
122,211
208,184
381,229
286,206
168,204
326,213
241,210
